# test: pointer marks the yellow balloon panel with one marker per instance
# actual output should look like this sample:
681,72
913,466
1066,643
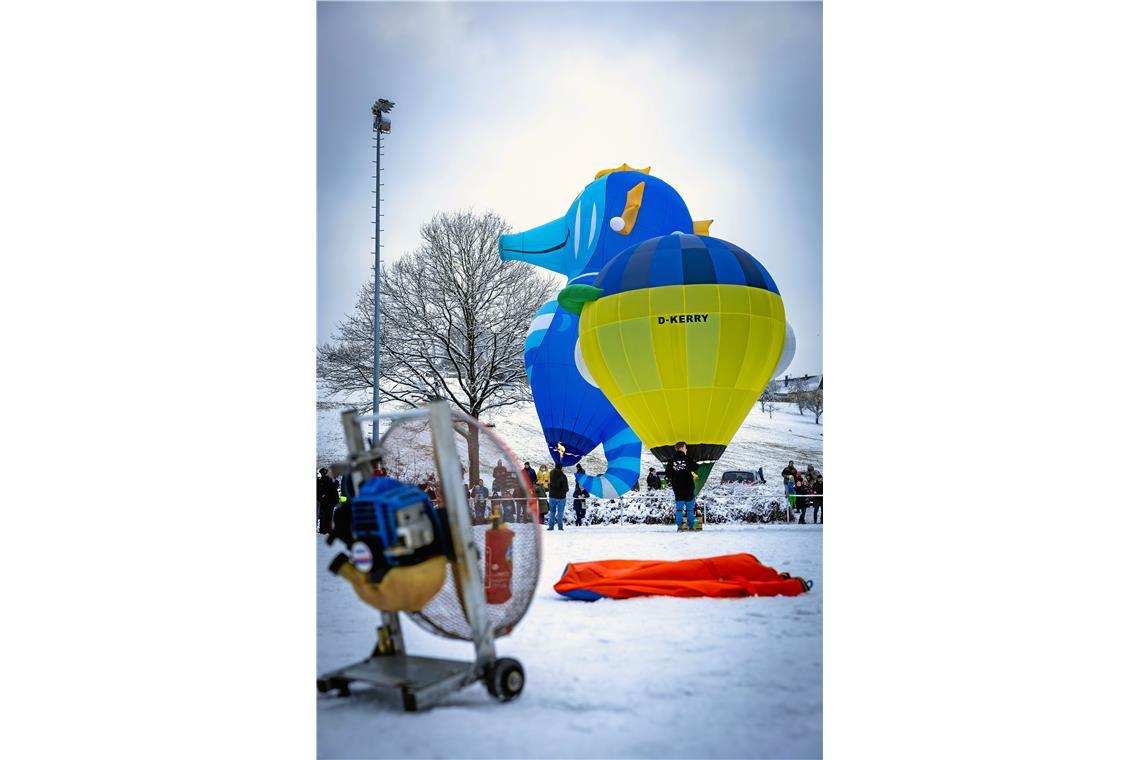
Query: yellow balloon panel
683,362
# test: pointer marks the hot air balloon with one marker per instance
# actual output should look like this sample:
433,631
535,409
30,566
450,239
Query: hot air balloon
682,333
622,206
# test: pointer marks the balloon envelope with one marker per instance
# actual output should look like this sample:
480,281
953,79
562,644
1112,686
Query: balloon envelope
683,338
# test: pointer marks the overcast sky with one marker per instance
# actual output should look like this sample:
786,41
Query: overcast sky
515,106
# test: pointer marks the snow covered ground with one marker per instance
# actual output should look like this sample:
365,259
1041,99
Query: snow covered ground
650,677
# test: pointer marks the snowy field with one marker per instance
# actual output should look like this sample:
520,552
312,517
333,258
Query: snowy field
649,677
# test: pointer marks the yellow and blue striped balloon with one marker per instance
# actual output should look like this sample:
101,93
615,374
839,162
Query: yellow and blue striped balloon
682,333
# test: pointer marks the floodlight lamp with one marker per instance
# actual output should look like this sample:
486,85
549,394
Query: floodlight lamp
379,108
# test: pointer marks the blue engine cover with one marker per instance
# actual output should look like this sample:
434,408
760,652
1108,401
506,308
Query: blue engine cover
375,520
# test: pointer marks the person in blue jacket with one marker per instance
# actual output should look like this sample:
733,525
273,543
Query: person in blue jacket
790,493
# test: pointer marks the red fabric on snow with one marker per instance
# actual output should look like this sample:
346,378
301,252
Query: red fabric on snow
730,575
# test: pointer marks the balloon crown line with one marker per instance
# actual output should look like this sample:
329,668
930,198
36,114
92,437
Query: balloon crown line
623,168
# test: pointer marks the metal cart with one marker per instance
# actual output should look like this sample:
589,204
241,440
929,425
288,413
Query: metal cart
424,681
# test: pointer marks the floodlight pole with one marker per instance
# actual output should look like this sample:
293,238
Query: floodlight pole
376,306
380,125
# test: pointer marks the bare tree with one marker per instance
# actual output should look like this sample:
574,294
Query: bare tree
768,401
801,400
813,402
454,317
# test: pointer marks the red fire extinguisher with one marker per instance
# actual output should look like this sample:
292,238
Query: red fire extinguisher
498,560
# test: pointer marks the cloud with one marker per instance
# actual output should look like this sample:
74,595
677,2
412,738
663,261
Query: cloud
514,107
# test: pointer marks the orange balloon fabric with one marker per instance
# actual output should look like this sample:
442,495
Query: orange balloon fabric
730,575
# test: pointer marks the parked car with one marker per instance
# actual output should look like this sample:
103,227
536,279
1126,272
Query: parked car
738,476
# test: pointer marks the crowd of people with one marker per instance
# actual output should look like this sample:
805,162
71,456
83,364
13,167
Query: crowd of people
804,490
506,499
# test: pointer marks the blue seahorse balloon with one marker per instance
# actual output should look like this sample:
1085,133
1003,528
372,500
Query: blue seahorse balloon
620,208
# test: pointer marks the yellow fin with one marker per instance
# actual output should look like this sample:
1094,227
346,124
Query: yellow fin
701,227
632,206
623,168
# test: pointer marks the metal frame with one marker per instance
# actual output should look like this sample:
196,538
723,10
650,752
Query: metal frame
422,681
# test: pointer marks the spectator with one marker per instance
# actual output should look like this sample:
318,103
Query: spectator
543,476
520,504
479,496
578,470
817,516
378,470
543,501
496,502
810,474
579,504
801,498
790,470
809,483
558,489
428,487
346,489
790,493
682,470
499,477
530,473
652,481
341,523
328,496
760,473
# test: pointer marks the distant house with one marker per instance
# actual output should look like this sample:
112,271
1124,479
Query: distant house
786,388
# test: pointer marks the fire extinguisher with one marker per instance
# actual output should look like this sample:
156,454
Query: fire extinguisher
497,573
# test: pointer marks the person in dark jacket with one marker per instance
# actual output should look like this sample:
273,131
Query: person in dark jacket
817,515
530,473
346,489
328,496
558,489
499,477
790,470
341,524
682,470
579,504
652,481
801,498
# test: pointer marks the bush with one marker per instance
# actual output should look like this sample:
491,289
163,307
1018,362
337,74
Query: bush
722,503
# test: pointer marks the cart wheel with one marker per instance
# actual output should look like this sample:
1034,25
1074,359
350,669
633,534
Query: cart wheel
409,700
505,679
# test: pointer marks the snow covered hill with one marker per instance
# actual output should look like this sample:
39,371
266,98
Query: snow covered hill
760,442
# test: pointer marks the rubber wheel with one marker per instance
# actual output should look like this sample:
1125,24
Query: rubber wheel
505,679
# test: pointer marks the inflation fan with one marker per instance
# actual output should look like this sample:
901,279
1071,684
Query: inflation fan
422,551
